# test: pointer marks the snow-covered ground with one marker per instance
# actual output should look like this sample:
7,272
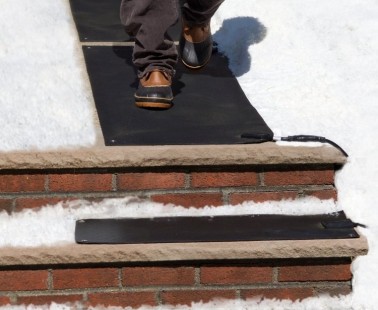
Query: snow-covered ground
309,67
45,98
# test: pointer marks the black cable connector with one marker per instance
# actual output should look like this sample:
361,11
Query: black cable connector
303,138
341,224
258,137
298,138
308,138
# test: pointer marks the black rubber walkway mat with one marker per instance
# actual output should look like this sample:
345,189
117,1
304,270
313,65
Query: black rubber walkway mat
99,21
214,229
209,106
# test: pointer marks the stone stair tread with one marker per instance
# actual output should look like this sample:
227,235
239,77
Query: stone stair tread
84,254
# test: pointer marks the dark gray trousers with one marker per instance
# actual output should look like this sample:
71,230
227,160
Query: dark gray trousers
148,21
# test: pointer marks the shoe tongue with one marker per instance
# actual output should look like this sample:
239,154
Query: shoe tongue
158,78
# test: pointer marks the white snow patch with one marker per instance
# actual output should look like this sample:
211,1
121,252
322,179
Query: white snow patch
45,101
316,303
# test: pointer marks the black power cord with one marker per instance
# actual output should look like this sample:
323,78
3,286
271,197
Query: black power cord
297,138
309,138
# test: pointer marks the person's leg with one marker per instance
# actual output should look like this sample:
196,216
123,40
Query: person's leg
196,43
199,12
148,21
155,54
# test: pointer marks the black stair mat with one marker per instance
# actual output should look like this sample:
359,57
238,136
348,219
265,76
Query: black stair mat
213,229
209,106
99,21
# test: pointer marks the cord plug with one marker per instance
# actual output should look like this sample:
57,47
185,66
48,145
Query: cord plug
310,138
304,138
297,138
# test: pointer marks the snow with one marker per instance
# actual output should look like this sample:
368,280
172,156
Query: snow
331,303
309,67
45,97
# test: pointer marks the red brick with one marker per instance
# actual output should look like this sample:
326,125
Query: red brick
236,275
292,293
22,183
150,180
6,205
4,300
237,198
323,194
144,276
85,278
188,296
122,299
80,182
190,200
48,299
222,179
306,177
30,203
334,291
315,273
23,280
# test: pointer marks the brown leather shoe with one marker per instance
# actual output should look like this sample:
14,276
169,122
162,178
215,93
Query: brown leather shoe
196,45
154,91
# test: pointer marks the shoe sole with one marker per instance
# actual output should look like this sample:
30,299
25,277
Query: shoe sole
156,103
195,67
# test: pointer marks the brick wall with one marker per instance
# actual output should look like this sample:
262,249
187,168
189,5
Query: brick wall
159,284
183,186
170,283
